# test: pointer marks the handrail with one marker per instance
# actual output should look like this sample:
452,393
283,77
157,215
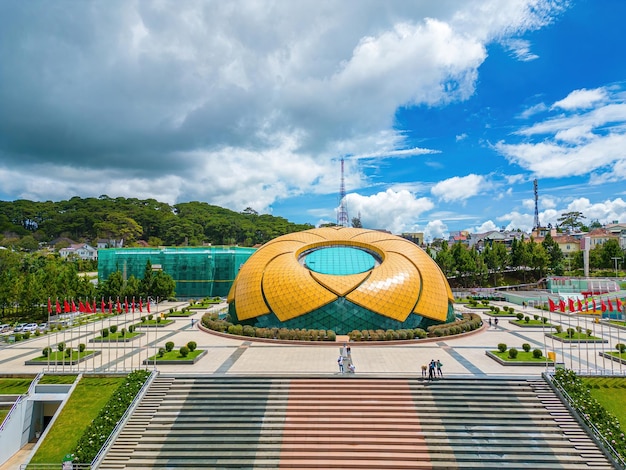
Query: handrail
122,421
616,457
31,389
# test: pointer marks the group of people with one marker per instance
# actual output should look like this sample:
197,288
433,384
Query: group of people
346,356
495,322
433,369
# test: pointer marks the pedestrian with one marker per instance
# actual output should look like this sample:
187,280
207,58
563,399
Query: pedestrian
340,363
496,321
489,322
348,351
439,371
424,371
352,368
431,370
192,322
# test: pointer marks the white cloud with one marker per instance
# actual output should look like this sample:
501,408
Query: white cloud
582,99
461,137
520,49
531,111
459,188
395,211
487,226
436,229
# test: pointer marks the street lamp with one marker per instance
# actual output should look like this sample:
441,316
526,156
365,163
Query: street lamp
615,258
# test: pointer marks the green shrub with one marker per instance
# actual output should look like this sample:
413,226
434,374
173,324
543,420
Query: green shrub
588,332
143,319
502,347
26,334
105,333
527,319
496,309
113,329
184,351
81,347
621,347
520,315
150,317
526,347
512,353
537,353
544,319
169,346
161,352
61,347
68,352
536,317
570,332
18,337
192,345
558,328
159,319
46,351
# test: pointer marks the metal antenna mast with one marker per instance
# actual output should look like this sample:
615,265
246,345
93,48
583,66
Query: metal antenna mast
342,214
536,204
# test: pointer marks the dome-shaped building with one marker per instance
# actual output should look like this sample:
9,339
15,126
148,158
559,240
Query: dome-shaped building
341,279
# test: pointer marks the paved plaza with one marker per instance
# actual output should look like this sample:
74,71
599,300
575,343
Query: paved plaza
461,356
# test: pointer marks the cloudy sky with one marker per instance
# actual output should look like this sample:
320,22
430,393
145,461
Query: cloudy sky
445,112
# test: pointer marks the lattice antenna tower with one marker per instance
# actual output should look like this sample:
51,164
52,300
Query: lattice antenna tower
536,204
342,214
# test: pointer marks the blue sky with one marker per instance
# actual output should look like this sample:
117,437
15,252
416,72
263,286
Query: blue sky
445,112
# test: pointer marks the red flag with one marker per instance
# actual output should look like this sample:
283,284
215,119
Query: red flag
94,307
73,306
608,301
602,306
551,305
49,306
110,305
580,306
619,304
125,304
81,306
148,305
594,304
140,305
133,305
587,304
66,306
562,305
570,303
102,307
119,306
58,306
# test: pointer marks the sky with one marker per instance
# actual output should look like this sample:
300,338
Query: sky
444,112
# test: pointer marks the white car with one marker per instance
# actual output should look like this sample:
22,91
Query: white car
4,328
30,327
19,327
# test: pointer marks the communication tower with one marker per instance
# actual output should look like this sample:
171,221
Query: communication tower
342,214
536,226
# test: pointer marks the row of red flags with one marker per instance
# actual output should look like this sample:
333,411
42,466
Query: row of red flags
578,305
117,306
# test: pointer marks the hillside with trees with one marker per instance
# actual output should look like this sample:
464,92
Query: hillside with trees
24,224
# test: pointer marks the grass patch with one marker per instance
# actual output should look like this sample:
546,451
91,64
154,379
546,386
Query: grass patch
575,336
531,323
522,356
153,323
618,323
14,386
117,336
60,356
89,396
175,356
3,414
58,379
178,313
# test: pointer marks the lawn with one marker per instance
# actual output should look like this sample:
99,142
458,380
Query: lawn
617,322
3,414
90,395
178,313
175,356
522,356
117,336
609,391
60,356
576,336
14,386
531,322
64,379
146,323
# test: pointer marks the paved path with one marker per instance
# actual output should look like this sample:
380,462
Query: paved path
461,356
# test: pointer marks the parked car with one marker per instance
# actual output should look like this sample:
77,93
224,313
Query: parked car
31,327
4,328
19,327
42,326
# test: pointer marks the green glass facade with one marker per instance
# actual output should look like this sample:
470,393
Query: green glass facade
198,272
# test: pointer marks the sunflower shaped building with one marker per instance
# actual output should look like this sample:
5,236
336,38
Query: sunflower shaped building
341,279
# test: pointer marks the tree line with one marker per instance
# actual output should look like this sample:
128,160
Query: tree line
24,224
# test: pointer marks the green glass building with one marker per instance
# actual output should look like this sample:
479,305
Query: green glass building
198,272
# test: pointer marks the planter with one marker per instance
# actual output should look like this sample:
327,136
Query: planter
523,324
118,340
67,362
176,362
621,360
567,340
503,362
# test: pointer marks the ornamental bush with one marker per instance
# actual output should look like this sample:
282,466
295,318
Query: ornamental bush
161,352
621,347
570,332
113,329
61,347
536,317
46,351
184,351
502,347
169,346
519,316
558,328
105,333
527,319
537,353
526,347
512,353
81,347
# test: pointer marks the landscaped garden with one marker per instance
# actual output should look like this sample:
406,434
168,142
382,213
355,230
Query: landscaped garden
63,354
573,335
526,320
14,386
185,354
517,356
150,320
111,334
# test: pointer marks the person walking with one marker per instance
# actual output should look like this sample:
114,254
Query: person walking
439,371
490,322
496,321
424,371
340,363
431,370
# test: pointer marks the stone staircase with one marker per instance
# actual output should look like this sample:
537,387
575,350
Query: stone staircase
351,423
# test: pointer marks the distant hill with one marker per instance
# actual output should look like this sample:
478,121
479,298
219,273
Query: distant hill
157,223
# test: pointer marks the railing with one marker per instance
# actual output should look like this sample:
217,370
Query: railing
55,466
31,389
614,456
122,421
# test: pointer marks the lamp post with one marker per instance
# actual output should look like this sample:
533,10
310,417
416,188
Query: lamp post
615,258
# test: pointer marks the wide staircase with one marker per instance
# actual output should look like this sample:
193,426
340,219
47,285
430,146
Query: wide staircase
351,423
